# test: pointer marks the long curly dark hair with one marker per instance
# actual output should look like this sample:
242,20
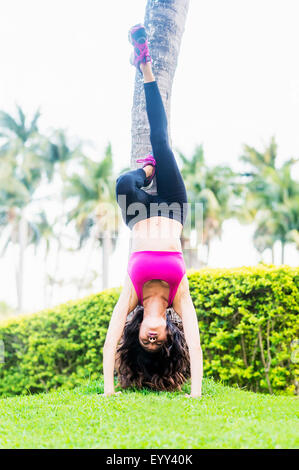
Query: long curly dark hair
165,370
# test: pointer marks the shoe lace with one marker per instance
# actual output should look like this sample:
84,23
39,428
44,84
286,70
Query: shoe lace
148,158
143,50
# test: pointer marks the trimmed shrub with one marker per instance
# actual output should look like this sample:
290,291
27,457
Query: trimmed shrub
56,347
248,321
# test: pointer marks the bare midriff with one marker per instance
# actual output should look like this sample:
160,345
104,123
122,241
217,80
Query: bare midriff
157,234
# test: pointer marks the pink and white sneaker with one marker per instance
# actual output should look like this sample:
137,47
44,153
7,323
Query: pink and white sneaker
138,37
148,160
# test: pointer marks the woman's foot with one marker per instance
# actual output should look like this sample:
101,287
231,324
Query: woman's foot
149,169
138,37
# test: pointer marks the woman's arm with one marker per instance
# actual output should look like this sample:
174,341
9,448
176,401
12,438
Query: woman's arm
183,305
126,303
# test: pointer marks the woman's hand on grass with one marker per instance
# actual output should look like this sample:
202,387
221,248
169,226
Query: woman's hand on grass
109,394
192,396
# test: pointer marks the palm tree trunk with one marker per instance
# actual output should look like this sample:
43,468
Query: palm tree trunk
20,272
56,269
87,265
165,23
272,254
58,251
208,251
45,277
105,258
282,251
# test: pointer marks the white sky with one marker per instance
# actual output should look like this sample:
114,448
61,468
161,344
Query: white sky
237,82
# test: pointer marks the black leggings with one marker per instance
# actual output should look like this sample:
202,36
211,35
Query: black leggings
171,200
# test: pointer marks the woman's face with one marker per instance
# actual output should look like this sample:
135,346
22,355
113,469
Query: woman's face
152,333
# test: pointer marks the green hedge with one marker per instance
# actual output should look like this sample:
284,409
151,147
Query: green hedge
57,347
248,318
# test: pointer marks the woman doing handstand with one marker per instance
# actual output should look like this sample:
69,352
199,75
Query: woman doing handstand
152,349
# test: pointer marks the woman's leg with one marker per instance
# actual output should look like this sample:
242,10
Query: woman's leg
129,184
170,184
128,193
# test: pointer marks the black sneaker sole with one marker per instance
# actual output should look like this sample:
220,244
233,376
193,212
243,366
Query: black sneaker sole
139,36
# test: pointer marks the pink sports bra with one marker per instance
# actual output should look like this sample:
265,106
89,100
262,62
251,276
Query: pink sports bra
168,266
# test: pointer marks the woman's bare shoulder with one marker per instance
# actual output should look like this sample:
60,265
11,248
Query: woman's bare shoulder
182,291
128,294
184,285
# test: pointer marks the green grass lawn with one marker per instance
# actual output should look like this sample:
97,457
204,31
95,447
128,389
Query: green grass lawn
82,418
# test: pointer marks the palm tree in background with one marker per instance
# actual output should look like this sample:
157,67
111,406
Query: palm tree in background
95,213
43,237
263,238
282,200
271,198
216,189
21,171
293,237
62,155
257,161
30,161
